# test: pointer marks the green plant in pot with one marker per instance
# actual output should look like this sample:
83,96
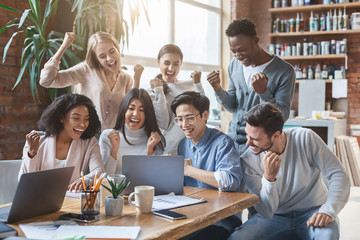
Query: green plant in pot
40,42
114,204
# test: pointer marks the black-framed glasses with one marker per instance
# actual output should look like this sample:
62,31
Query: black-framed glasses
191,119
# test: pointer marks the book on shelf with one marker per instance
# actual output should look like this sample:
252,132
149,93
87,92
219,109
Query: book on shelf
6,231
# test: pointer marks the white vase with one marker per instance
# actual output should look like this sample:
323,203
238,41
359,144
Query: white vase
114,206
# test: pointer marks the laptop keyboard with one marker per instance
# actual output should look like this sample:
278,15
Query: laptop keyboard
4,213
4,216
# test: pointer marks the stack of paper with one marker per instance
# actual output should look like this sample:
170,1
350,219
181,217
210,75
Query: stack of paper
174,201
69,229
348,151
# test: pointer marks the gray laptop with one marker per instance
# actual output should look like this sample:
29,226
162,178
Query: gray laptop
165,173
38,193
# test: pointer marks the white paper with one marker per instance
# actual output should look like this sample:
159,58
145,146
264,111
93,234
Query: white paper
339,88
102,232
44,230
173,201
73,194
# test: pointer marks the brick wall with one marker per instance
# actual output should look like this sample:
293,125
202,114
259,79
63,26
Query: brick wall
353,77
258,11
18,111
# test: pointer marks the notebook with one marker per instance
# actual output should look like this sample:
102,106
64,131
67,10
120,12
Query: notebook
165,173
38,193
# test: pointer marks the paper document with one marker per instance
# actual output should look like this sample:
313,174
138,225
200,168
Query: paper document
174,201
44,230
97,232
73,194
339,88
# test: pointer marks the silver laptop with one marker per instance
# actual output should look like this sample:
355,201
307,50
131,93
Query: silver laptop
165,173
38,193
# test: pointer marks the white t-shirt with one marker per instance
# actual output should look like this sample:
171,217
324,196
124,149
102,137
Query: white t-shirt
250,71
60,163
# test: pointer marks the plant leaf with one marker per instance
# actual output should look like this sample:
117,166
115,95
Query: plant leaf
146,12
50,8
35,7
52,93
6,26
6,48
3,6
106,187
22,70
23,17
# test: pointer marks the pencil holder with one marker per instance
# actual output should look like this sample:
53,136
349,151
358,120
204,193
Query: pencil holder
90,202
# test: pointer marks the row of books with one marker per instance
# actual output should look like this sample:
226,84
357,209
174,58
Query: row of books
348,151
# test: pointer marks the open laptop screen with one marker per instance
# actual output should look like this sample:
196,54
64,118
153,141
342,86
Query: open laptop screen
39,193
165,173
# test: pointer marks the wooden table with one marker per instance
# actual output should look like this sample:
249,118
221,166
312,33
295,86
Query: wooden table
218,206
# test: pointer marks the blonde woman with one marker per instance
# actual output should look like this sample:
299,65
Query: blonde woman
99,77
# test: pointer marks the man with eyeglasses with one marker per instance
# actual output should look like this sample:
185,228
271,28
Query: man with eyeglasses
211,160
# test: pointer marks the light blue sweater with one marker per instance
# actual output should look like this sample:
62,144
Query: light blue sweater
299,185
240,98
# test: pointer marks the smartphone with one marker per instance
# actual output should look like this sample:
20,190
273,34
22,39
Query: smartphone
79,217
169,214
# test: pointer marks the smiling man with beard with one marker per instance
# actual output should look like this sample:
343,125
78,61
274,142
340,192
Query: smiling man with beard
255,76
211,160
285,168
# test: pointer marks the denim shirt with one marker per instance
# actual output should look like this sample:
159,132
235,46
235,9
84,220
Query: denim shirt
214,152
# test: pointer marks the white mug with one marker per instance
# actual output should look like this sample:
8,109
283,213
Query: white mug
144,196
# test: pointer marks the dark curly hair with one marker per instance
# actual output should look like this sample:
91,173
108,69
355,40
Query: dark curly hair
199,101
50,118
150,117
168,48
267,116
243,26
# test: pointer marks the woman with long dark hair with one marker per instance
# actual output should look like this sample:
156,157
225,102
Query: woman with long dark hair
135,132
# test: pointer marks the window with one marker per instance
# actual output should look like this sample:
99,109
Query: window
195,26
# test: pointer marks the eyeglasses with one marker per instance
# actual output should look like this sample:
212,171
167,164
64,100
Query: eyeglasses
191,119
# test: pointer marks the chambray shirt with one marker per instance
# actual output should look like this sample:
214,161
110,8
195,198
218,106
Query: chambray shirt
215,152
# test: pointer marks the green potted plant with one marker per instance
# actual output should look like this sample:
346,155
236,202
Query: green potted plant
40,42
114,203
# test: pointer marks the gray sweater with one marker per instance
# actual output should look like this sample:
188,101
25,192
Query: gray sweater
240,98
299,185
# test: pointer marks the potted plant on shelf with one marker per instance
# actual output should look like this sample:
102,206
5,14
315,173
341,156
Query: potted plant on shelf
114,204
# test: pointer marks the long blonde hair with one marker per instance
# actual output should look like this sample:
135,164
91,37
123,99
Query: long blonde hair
94,39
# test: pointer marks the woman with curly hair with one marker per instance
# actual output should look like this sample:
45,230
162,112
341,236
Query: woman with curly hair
66,138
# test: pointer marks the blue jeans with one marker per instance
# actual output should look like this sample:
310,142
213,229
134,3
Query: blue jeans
286,226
